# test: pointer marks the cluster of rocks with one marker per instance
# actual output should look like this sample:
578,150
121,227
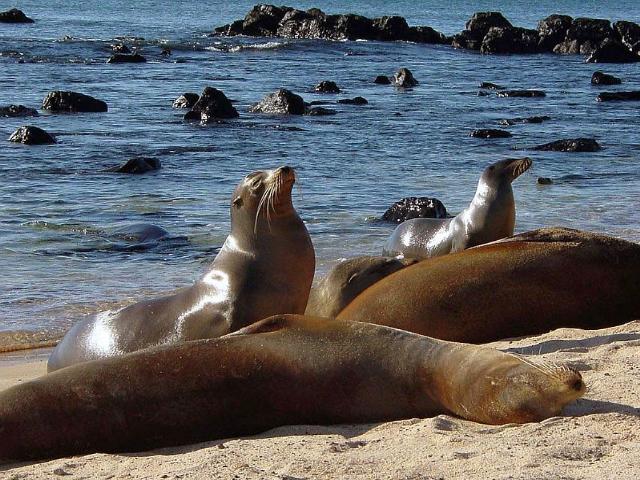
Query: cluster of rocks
491,32
14,16
271,21
487,32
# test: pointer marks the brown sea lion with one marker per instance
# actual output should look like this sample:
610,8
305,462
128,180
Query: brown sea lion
265,267
284,370
525,285
346,280
490,216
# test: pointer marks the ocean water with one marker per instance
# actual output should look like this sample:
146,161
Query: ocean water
59,255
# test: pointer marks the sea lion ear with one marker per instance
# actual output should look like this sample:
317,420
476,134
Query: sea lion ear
237,202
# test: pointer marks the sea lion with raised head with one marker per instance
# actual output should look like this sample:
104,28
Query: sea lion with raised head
529,284
348,279
490,216
284,370
265,267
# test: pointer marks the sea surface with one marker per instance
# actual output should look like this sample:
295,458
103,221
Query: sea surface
60,254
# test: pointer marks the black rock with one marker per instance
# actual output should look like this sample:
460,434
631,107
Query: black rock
567,47
481,22
281,101
600,78
629,33
521,93
513,121
213,104
391,28
137,165
327,86
510,40
415,207
544,181
404,78
382,80
126,58
192,116
186,100
18,111
14,16
427,35
490,133
320,111
613,51
490,86
589,29
552,31
263,20
619,96
354,101
571,145
467,40
59,101
31,136
120,48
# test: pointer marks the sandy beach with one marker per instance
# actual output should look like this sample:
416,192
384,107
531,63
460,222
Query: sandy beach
597,437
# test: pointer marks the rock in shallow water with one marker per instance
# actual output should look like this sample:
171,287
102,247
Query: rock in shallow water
281,101
320,111
415,207
14,16
213,104
354,101
600,78
612,51
570,145
126,58
327,86
544,181
521,93
490,133
513,121
186,100
403,78
619,96
18,111
382,80
490,86
59,101
31,136
137,165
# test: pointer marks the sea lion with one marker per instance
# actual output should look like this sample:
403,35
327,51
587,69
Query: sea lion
265,267
284,370
490,216
346,280
529,284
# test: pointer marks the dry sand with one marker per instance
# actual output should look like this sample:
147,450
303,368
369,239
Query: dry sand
597,438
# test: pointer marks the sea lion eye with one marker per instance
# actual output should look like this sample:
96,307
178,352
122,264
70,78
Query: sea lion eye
237,202
255,184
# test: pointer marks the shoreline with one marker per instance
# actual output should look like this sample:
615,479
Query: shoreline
597,436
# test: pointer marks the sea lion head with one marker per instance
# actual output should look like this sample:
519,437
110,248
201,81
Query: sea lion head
530,391
505,171
262,197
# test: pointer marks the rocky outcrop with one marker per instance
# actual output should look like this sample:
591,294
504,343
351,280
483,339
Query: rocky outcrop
629,34
327,86
612,51
477,27
354,101
514,121
403,78
490,133
137,165
619,96
521,93
382,80
570,145
18,111
415,207
281,101
600,78
14,16
269,21
186,100
552,31
212,105
31,136
59,101
126,58
510,40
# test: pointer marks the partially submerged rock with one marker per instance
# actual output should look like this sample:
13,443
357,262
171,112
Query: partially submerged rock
30,135
403,78
213,104
612,51
137,165
14,16
382,80
535,119
327,86
354,101
281,101
619,96
490,133
490,86
186,100
600,78
415,207
18,111
521,93
571,145
64,101
126,58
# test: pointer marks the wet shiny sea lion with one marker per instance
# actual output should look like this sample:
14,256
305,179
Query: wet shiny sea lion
529,284
346,280
265,267
284,370
490,216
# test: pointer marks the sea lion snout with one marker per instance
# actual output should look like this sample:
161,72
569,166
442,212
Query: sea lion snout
285,174
518,166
